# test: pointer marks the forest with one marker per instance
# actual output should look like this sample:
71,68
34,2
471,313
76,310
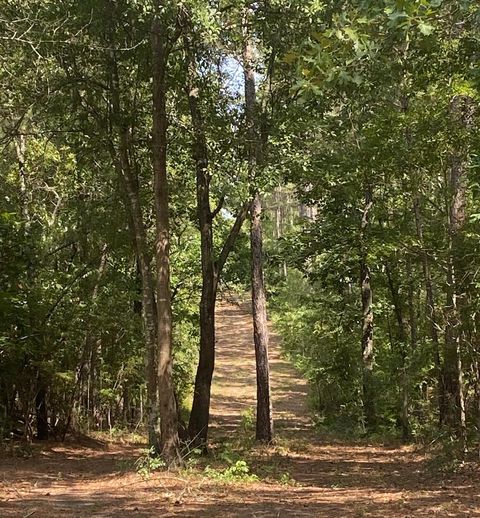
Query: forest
233,232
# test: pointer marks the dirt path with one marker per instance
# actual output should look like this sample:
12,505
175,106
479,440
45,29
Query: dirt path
324,479
233,392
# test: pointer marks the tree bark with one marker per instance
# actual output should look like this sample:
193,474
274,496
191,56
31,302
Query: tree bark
431,305
461,110
21,148
41,411
168,407
279,207
199,417
368,395
264,424
94,348
412,313
402,346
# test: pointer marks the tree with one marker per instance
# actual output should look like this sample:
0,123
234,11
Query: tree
264,424
167,403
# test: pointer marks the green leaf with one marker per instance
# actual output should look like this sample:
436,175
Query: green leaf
425,28
351,34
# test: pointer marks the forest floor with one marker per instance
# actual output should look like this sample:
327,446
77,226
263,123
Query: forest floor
302,475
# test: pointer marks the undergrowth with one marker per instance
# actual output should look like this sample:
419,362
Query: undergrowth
148,462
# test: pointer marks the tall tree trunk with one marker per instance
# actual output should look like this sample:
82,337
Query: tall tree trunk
40,401
167,402
264,425
431,308
368,396
402,345
94,348
278,198
412,312
461,110
199,416
476,374
476,368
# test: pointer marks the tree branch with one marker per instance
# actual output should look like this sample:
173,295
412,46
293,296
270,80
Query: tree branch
232,236
219,206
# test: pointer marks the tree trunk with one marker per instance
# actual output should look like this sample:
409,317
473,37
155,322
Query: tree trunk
476,368
278,197
402,347
368,400
94,351
264,425
412,313
461,111
167,402
199,416
21,148
41,411
432,312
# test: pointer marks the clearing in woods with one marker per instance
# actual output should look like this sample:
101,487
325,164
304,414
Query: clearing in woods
302,475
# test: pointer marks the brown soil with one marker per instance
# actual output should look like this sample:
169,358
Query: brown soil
324,479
